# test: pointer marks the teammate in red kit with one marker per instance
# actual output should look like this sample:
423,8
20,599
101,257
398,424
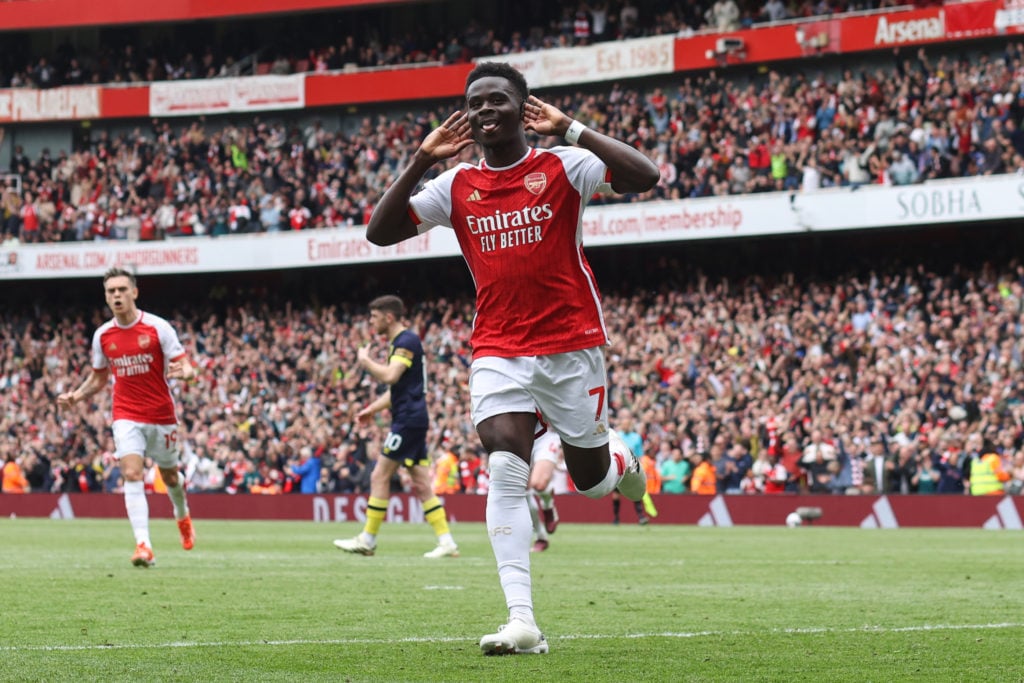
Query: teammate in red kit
539,329
142,351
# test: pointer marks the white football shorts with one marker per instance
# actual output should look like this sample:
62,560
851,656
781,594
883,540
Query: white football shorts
546,448
159,442
569,390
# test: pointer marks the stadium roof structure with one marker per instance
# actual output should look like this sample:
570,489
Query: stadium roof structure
38,14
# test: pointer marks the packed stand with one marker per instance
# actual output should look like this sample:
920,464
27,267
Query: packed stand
766,383
270,45
922,118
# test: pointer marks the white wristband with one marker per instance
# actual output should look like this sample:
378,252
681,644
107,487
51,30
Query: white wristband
572,135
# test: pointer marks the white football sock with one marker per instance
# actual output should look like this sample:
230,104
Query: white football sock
538,526
547,498
614,474
177,495
138,510
606,485
508,525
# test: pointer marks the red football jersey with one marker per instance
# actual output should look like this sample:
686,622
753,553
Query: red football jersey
137,356
521,232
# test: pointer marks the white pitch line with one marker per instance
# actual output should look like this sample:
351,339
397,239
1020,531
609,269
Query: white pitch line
867,628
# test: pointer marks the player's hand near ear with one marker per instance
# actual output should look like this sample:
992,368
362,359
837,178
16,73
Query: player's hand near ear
543,118
448,139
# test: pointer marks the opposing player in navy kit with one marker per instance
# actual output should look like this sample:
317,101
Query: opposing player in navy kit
406,444
539,331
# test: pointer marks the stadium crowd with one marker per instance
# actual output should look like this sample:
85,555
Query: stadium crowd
309,43
896,381
887,383
921,118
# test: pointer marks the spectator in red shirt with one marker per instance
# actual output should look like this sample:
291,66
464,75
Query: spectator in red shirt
147,231
758,158
790,459
298,217
29,219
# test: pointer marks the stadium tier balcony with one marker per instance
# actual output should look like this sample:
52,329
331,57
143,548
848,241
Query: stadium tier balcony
920,115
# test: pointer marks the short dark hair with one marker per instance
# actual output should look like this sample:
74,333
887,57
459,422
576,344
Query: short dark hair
500,70
117,271
389,303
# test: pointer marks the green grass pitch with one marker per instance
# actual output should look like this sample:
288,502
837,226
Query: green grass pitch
275,601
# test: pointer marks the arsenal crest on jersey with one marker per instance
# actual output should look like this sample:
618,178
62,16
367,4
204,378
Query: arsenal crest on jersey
143,341
535,182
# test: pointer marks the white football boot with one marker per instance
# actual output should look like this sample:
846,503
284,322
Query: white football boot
355,545
515,638
442,550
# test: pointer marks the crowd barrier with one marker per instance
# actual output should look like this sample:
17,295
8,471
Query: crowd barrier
881,512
